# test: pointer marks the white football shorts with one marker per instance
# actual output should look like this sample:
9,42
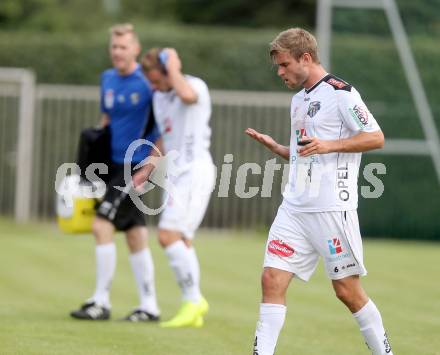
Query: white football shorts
186,204
297,240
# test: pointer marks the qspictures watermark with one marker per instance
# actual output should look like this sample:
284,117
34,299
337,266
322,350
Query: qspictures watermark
167,169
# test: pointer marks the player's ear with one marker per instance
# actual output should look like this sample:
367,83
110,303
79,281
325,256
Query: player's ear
138,48
307,58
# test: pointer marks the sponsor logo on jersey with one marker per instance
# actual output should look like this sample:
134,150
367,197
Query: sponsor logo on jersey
134,98
360,114
342,178
105,207
280,248
338,257
339,84
314,107
348,266
300,133
334,246
109,99
168,127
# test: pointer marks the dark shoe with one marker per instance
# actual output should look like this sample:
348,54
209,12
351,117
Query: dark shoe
141,316
91,311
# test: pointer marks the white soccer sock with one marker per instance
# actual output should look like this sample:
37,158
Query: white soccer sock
370,323
143,270
105,269
268,328
180,261
195,270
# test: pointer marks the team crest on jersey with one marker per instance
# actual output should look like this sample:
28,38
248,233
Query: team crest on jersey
334,246
314,107
134,98
109,99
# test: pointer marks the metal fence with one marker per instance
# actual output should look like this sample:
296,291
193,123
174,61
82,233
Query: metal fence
61,112
9,97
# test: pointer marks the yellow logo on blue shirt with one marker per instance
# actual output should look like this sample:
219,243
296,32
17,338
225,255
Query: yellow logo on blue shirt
109,99
134,98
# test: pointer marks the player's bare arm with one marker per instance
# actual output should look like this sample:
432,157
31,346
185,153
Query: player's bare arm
269,143
141,176
105,120
361,142
174,68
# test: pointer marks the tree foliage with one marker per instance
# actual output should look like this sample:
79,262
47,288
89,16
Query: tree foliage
422,16
251,13
51,15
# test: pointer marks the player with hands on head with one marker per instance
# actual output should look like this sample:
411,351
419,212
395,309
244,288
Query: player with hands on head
182,108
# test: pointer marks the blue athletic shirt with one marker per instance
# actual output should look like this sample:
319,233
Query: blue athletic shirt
127,102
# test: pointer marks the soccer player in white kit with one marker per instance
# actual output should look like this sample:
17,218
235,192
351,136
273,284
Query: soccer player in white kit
330,127
182,108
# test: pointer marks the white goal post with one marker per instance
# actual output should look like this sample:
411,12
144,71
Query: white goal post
430,146
22,82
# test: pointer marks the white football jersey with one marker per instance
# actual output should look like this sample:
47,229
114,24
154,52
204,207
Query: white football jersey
185,128
330,110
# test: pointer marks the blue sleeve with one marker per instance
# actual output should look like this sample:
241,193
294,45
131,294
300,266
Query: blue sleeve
103,109
155,134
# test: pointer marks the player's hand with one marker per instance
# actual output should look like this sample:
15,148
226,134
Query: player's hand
173,60
264,139
316,146
139,178
143,174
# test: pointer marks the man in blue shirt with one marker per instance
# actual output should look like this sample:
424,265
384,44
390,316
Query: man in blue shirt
126,99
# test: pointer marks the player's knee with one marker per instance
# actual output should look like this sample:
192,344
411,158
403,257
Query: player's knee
95,226
343,294
163,240
347,296
98,228
350,292
136,242
167,238
270,281
102,230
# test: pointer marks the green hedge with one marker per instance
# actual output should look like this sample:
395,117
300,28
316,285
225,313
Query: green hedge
237,59
227,58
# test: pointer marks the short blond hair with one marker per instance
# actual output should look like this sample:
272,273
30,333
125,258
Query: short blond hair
121,29
296,41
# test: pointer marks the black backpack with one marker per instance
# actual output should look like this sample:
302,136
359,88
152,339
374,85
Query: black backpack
94,147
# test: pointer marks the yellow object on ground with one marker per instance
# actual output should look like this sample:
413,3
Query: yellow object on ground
83,213
76,205
189,315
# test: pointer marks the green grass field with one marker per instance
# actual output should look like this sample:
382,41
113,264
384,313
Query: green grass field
45,274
